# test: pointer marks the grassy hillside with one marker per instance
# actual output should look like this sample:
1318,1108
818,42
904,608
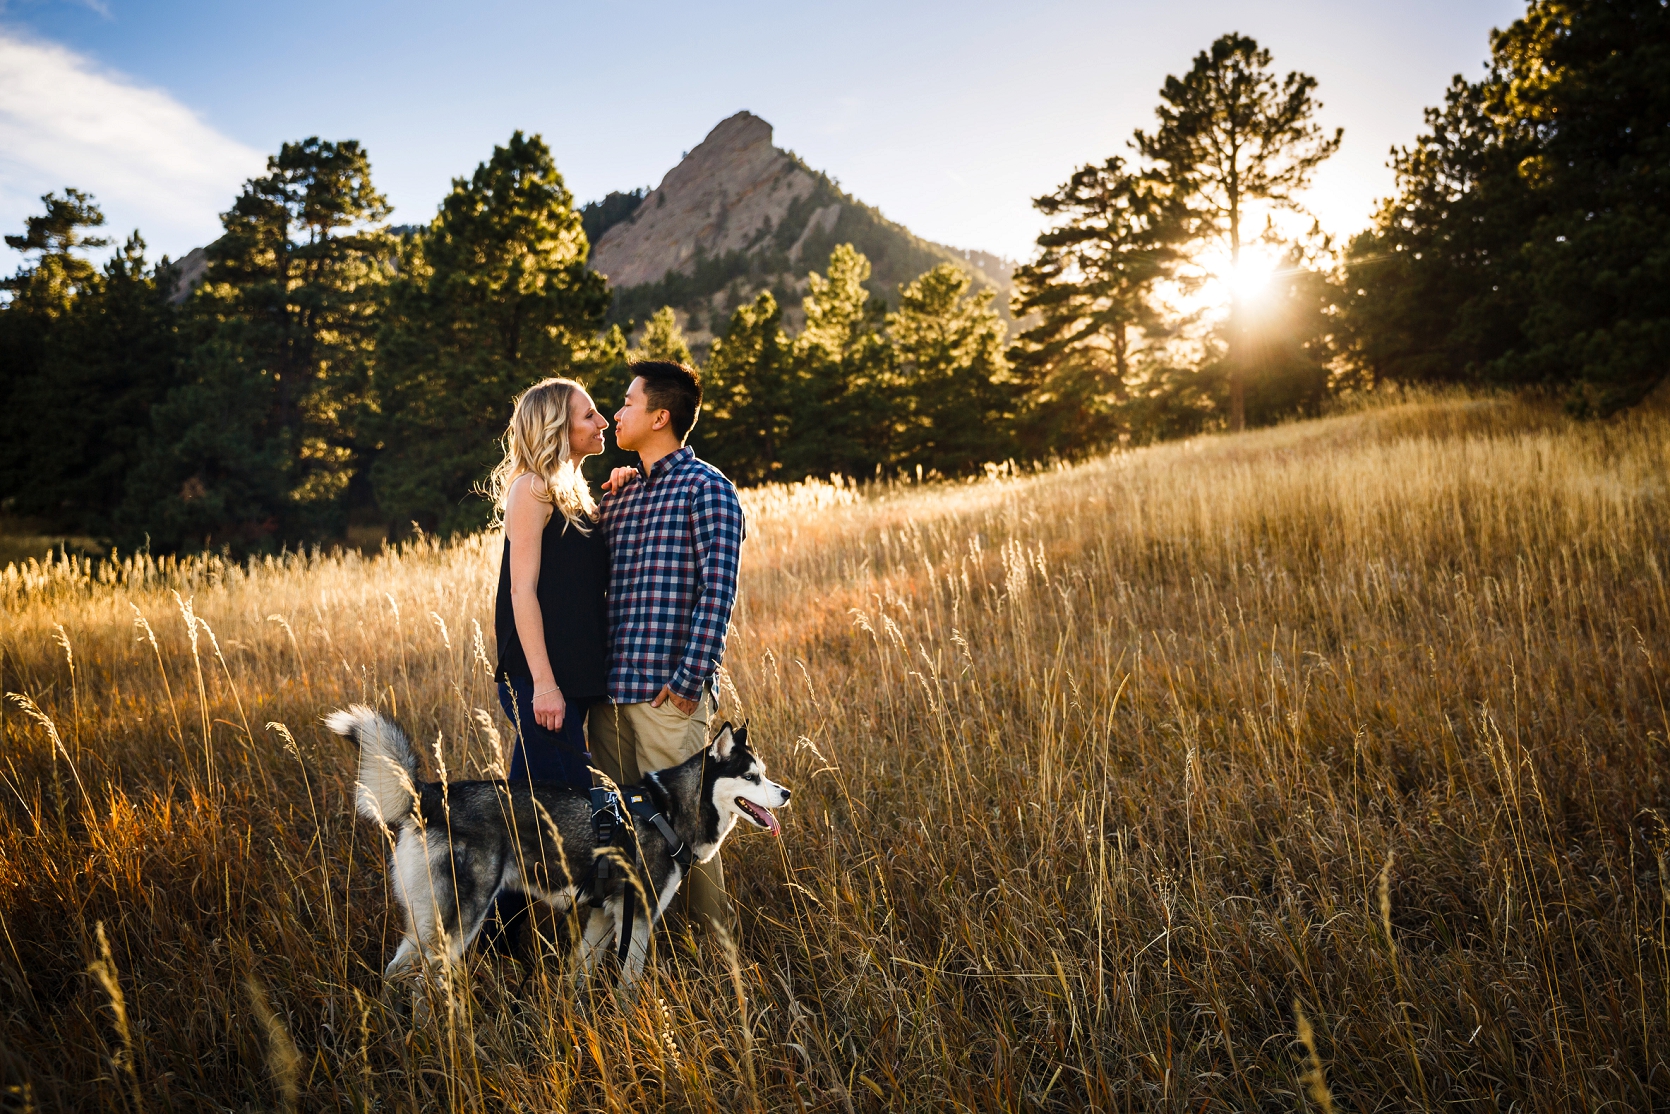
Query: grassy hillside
1111,784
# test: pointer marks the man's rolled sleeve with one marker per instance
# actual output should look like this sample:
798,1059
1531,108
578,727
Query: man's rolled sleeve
716,529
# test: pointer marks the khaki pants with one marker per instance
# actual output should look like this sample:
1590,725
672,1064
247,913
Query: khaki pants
631,740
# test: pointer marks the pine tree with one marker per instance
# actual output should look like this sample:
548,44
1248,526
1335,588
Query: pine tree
663,340
1528,240
283,327
1091,290
36,298
747,395
493,296
955,402
1589,82
1232,134
109,361
1436,289
843,371
88,352
55,236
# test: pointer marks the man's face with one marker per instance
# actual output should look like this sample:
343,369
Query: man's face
636,421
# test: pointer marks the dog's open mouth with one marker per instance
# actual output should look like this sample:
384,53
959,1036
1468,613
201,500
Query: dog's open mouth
760,816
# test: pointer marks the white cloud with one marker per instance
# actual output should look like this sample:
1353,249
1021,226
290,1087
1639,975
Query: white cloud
150,162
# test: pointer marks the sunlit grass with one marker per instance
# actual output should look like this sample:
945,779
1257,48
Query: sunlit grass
1319,764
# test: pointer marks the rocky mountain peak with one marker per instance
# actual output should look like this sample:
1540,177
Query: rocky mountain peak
719,199
739,215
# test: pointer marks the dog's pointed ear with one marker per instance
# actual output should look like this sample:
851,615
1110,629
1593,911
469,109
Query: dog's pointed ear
724,743
742,735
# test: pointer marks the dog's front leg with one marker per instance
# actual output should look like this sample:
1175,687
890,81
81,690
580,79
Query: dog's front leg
599,930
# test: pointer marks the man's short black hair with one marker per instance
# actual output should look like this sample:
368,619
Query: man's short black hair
671,387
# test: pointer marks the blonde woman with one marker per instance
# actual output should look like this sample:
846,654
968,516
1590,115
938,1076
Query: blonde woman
549,616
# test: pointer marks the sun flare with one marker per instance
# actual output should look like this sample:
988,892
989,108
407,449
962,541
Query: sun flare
1250,276
1221,282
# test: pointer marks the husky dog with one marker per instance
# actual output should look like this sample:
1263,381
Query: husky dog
458,845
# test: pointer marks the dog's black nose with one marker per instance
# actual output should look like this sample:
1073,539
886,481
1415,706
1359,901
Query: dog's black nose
785,796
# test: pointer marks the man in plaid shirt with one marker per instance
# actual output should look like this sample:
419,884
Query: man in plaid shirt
675,535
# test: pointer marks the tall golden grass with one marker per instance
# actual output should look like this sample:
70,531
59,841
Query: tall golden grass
1319,767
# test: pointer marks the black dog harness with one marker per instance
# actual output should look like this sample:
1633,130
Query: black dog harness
611,827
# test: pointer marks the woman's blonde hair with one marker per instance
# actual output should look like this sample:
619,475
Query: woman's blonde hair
536,441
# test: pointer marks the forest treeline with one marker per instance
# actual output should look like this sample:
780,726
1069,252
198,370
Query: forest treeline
330,377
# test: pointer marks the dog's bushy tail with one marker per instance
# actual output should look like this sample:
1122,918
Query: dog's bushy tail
388,775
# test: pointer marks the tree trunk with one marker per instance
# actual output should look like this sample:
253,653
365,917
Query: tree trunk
1237,327
1237,369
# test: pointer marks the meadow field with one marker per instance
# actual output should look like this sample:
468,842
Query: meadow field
1321,767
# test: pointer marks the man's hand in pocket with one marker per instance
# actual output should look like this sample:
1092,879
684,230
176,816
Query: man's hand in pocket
688,707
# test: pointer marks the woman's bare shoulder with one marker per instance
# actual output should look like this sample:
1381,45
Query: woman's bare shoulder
527,496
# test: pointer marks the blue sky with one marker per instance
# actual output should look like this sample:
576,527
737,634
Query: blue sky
949,117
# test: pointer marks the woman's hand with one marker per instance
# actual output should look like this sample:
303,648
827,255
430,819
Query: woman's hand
549,708
618,479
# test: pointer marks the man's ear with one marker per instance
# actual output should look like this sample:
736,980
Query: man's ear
661,420
724,744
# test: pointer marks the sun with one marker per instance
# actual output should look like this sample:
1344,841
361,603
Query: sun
1220,284
1250,277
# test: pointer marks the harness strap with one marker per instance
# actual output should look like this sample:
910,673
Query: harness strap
676,847
626,901
606,823
609,824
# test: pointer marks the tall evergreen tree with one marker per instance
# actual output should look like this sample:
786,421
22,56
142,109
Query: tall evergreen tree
1232,134
1436,289
663,340
32,301
955,403
54,237
747,388
1091,292
859,388
87,353
109,361
493,296
842,418
1529,237
282,328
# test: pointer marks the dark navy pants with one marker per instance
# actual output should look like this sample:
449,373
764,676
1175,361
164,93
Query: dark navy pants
542,755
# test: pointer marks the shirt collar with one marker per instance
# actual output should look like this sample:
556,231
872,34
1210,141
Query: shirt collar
667,463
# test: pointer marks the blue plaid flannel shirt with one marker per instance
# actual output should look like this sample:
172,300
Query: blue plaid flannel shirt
675,539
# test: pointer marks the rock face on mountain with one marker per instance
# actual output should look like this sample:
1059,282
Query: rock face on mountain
189,270
738,215
731,188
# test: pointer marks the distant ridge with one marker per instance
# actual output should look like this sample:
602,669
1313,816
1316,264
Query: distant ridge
738,215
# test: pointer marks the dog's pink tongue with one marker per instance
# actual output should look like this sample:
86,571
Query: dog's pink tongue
772,825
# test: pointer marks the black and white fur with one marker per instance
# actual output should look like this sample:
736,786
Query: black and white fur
457,846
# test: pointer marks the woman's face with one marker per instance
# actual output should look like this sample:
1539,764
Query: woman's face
585,426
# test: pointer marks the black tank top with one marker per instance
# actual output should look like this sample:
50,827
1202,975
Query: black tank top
573,579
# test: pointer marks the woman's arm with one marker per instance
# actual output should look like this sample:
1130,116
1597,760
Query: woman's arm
525,517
